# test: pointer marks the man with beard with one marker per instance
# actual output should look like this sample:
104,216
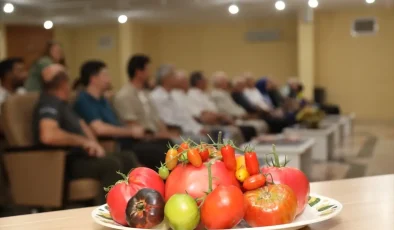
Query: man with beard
12,77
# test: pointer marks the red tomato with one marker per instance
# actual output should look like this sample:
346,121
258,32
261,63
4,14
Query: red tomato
142,177
194,157
271,205
295,179
252,163
194,181
223,208
228,154
254,182
117,199
204,153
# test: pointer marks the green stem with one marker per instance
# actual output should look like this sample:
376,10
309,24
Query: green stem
220,137
276,157
209,166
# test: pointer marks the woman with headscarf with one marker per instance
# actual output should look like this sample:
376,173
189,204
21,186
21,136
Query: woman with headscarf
53,55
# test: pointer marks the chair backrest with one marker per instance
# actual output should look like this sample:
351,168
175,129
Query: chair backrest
16,118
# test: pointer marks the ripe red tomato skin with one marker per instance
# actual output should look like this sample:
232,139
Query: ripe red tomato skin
295,179
228,156
252,163
142,177
195,180
254,182
194,157
117,199
271,205
224,208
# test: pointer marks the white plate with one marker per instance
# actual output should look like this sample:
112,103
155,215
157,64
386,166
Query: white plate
320,208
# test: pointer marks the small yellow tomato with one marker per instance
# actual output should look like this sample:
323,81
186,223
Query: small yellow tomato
242,174
241,162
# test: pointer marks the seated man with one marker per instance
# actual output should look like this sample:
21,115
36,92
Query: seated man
226,105
202,103
55,124
276,124
12,77
133,103
95,109
168,108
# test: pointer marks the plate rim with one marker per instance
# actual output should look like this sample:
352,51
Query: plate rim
275,227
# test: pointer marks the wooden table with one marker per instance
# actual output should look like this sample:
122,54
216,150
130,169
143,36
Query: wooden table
368,204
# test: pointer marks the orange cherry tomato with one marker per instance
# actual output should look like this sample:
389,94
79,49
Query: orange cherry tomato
184,146
194,157
171,158
254,182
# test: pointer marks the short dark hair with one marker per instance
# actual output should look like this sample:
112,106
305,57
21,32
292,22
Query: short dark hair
89,69
195,77
137,62
7,65
56,81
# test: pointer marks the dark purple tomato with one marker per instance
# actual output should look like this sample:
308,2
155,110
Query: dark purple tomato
145,209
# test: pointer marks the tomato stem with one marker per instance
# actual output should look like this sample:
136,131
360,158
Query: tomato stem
209,166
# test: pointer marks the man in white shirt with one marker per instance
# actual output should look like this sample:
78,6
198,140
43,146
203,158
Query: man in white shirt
221,96
201,100
253,94
12,77
168,108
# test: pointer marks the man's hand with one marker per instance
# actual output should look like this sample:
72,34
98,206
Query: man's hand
94,149
165,135
137,131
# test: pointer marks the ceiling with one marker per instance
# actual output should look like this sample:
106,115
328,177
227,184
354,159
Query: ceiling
73,12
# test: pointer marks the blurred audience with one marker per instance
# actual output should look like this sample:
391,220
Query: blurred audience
168,108
202,104
53,55
133,103
221,96
12,77
96,110
55,124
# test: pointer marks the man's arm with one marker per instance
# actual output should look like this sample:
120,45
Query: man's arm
51,134
104,129
87,131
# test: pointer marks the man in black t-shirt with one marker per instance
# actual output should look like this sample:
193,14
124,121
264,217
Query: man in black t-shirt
55,124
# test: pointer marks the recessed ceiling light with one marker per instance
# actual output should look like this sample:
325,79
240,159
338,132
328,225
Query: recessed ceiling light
313,3
48,24
369,1
122,19
233,9
280,5
8,8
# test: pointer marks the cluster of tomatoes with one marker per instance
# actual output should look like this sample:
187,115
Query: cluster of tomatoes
209,186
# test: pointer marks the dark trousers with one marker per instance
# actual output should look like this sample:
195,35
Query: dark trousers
80,165
150,153
248,132
276,125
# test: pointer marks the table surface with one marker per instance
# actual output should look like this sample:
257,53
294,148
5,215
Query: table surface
368,204
306,144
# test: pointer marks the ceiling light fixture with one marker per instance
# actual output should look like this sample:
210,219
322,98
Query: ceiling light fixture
233,9
369,1
8,8
122,19
280,5
313,3
48,25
